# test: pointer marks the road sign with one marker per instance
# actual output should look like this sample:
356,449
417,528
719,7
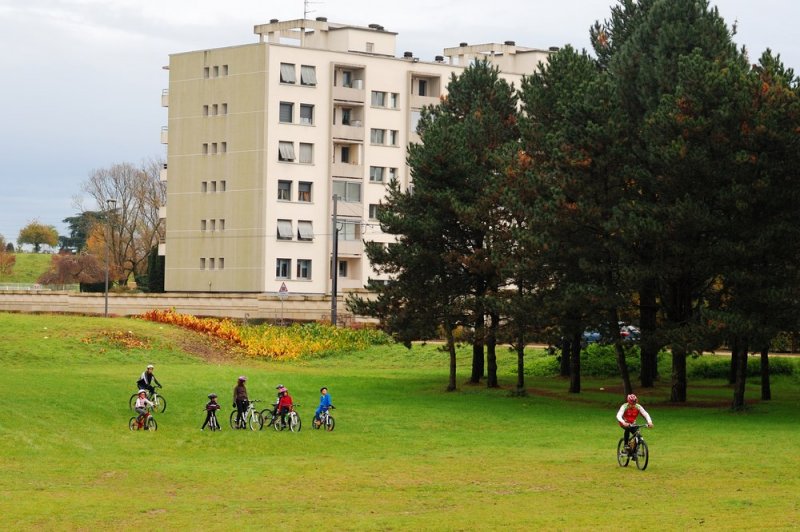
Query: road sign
283,291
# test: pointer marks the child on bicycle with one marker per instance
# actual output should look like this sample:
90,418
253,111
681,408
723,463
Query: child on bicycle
141,406
240,400
285,403
324,404
627,415
211,410
147,379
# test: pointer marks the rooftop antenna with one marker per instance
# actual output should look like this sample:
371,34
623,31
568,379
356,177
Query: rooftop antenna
306,10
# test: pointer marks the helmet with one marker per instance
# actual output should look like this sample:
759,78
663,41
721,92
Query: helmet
212,396
632,398
278,387
242,378
149,366
142,391
282,389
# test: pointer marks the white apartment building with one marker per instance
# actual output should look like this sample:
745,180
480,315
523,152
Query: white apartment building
261,136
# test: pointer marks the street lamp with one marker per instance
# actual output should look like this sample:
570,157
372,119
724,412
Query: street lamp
112,204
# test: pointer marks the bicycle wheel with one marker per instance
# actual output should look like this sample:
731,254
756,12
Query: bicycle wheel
278,425
151,423
256,421
294,422
160,404
233,420
622,453
642,456
266,418
330,423
316,424
132,401
133,424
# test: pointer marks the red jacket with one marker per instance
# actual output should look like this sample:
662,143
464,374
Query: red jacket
285,401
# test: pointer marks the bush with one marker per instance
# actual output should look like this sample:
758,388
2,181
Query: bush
715,367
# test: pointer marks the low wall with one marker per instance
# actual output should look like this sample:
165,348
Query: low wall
243,306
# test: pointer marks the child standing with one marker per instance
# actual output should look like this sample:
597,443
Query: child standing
211,412
324,404
627,414
285,403
240,400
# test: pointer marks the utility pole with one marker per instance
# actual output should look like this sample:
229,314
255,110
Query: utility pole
334,262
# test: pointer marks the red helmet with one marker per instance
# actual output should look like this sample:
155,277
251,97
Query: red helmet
632,399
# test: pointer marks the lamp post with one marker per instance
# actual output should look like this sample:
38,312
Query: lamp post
111,204
334,261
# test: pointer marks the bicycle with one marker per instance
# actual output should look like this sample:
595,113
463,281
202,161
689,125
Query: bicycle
639,453
292,422
154,397
325,420
213,422
251,417
269,415
148,422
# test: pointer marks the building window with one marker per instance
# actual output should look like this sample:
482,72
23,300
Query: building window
283,268
286,151
350,231
304,191
345,117
422,87
370,47
347,78
202,225
206,72
224,109
306,153
223,186
204,187
205,110
286,112
415,116
393,99
216,75
213,148
287,73
376,174
392,173
347,191
306,114
342,268
213,186
223,147
222,224
285,190
221,263
373,211
213,225
202,263
378,99
308,75
394,137
304,269
345,154
224,73
211,263
214,109
376,136
305,231
205,148
284,229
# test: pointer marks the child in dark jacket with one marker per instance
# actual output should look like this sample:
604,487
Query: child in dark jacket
211,412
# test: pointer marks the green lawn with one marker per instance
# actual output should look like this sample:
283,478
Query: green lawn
28,268
405,455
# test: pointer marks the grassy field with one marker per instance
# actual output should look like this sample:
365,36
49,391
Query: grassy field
405,455
28,268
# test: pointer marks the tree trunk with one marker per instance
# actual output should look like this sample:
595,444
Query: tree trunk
477,347
678,392
622,364
565,351
575,364
521,391
451,349
766,391
491,353
648,310
740,355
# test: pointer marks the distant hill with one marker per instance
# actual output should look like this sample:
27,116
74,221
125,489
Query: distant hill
28,268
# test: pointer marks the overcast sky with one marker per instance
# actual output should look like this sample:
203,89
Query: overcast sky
81,80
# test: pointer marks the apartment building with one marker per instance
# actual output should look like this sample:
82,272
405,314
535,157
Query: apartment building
261,136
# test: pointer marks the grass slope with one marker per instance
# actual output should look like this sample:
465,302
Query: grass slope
405,455
28,268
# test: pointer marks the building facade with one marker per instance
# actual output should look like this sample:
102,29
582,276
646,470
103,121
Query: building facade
260,138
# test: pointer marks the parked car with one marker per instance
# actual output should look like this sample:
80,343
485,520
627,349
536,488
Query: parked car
628,333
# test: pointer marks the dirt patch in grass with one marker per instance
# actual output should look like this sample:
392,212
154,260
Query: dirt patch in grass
207,348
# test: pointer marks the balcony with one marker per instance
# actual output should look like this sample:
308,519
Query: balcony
353,131
162,173
353,170
162,212
418,102
162,247
165,98
354,93
164,135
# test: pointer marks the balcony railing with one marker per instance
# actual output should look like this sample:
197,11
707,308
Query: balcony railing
164,135
162,174
165,98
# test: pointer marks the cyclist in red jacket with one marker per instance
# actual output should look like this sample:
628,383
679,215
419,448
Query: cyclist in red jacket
627,414
285,403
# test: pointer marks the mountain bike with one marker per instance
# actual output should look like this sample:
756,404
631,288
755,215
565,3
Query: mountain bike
325,420
155,398
292,422
269,415
148,422
251,418
213,422
639,452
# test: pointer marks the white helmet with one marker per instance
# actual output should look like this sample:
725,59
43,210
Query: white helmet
142,391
